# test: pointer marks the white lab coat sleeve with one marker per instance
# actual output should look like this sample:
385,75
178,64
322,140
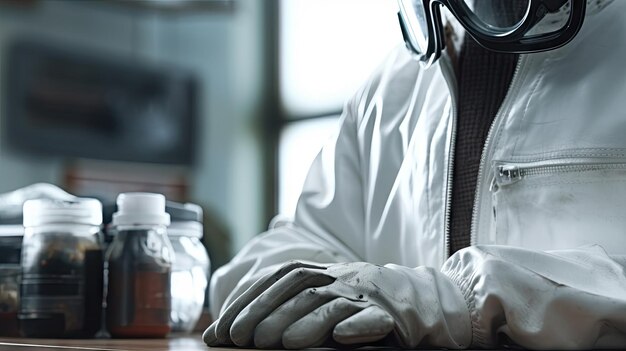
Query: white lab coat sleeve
570,299
328,225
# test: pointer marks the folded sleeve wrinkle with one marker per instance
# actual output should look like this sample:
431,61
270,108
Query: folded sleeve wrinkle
568,299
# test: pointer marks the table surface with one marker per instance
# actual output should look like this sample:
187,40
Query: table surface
176,343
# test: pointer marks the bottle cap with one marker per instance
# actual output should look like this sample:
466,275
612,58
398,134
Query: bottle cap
140,209
77,211
187,212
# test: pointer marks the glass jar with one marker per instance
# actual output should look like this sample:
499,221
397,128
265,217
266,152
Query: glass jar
139,263
190,270
62,268
10,273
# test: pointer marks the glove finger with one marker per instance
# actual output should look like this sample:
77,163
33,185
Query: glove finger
243,285
268,334
224,323
316,327
209,337
367,326
242,329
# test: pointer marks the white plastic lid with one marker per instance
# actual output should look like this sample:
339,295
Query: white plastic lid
77,211
140,209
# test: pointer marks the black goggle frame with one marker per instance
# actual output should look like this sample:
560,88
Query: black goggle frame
510,40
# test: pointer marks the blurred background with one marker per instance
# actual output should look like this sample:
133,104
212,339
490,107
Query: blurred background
223,103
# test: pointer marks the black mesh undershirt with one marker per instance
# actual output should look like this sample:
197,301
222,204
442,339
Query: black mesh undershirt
483,79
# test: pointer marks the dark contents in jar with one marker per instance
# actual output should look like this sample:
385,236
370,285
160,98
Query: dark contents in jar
139,305
61,287
9,299
10,249
138,297
9,324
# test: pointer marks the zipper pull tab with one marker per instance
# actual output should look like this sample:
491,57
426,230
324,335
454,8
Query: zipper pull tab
507,175
493,186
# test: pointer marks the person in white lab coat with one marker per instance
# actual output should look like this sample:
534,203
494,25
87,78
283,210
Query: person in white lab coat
475,200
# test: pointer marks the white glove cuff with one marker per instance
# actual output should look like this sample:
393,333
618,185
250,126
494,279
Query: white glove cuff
454,329
460,273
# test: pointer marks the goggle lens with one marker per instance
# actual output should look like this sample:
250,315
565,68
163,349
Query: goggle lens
552,21
499,14
414,18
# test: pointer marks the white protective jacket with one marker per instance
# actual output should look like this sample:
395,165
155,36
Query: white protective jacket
547,266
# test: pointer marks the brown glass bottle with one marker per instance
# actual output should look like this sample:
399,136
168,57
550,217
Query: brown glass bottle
139,267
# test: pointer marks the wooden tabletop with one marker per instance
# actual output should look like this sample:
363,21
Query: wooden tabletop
175,343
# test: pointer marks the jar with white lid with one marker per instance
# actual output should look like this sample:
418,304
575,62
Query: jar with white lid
62,268
11,236
139,264
190,270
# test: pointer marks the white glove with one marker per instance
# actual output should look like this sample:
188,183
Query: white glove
303,305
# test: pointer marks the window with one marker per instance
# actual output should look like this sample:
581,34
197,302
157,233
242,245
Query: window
300,142
327,49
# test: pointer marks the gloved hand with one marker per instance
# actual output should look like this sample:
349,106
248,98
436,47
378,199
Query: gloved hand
303,305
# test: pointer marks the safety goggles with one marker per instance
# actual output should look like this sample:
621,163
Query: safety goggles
513,26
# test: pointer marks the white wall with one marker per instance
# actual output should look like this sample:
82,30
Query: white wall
223,49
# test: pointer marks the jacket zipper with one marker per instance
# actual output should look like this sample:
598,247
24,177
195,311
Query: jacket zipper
448,73
508,174
512,90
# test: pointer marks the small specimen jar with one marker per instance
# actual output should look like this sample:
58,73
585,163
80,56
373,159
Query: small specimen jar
190,270
139,266
62,268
